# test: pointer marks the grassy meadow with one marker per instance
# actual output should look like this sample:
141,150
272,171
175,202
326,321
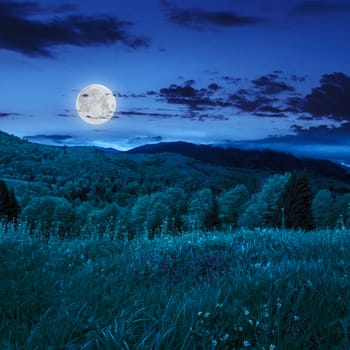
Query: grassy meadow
245,289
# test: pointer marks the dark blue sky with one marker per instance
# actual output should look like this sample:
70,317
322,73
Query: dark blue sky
273,73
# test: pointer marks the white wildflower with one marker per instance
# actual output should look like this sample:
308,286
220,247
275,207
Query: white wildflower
225,337
246,312
214,343
246,343
200,313
272,347
296,318
251,322
206,315
278,305
240,329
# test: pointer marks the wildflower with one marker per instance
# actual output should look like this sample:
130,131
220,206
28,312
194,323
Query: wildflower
257,323
225,337
206,315
246,343
214,343
266,314
240,329
219,306
278,305
200,313
246,312
272,347
251,322
296,318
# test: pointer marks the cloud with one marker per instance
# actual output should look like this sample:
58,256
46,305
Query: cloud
66,8
331,98
232,80
6,114
256,104
322,134
269,95
20,32
21,8
297,78
194,98
145,140
294,104
55,138
145,114
130,95
268,84
197,18
320,7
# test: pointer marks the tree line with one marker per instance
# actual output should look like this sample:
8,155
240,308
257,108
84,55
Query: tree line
283,201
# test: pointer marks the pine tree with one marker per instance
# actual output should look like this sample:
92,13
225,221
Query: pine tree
4,199
9,208
212,217
296,200
13,207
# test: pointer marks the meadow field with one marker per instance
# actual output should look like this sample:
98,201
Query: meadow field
240,289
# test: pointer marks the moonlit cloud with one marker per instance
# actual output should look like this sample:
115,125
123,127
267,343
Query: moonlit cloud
200,18
331,98
20,32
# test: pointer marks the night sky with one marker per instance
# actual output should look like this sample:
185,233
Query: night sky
247,72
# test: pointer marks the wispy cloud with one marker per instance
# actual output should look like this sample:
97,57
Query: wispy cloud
269,84
21,32
201,18
54,138
8,114
320,7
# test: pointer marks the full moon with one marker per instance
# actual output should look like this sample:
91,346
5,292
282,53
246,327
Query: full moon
96,104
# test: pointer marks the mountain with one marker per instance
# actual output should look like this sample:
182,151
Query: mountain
154,167
248,159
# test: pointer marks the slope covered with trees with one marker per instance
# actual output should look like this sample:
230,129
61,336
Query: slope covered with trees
74,190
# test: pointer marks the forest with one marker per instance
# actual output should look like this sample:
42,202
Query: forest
76,190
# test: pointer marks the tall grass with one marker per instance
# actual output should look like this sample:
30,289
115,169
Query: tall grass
245,289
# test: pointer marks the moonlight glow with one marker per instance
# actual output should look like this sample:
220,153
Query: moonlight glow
96,104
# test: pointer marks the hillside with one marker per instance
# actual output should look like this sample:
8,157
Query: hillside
249,159
178,185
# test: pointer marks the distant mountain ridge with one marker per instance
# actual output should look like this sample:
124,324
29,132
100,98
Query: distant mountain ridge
248,159
252,160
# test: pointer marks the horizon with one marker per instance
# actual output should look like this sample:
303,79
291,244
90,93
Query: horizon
344,161
272,76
